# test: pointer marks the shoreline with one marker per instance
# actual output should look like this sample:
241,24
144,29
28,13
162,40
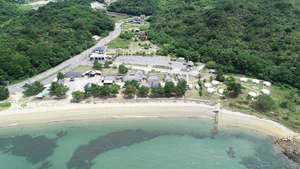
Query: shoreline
66,112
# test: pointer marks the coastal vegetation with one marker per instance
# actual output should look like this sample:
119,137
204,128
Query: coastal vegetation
101,91
57,89
264,103
143,91
40,39
77,96
33,89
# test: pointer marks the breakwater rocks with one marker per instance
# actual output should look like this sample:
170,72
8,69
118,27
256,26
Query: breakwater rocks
291,147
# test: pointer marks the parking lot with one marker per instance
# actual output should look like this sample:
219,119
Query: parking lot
159,63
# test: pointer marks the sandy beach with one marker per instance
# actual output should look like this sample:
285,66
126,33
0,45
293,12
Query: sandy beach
73,112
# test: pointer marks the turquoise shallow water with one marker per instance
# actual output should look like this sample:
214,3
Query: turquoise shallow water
183,143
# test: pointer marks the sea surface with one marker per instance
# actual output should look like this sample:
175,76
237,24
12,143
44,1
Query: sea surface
144,143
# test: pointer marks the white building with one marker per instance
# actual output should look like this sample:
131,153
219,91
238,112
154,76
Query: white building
207,85
210,90
266,83
197,86
215,82
243,79
96,5
265,91
255,81
220,91
96,38
190,86
252,94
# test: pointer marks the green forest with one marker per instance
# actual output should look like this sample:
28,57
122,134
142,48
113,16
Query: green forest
40,39
7,11
259,38
134,7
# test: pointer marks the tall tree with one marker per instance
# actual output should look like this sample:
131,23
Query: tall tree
4,93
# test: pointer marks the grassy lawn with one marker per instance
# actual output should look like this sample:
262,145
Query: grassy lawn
82,68
4,105
119,43
118,17
25,7
109,70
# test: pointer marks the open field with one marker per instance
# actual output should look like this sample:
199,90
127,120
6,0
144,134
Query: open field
118,16
119,43
5,105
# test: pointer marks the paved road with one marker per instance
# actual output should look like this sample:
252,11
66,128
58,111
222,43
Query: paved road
66,66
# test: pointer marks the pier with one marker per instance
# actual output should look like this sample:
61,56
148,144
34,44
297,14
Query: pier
216,119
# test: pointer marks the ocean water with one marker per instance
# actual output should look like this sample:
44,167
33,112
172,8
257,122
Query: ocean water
160,143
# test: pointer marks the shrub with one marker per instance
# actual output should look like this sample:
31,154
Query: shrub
60,76
264,103
169,89
181,88
77,96
107,63
130,91
233,88
97,65
143,91
123,69
157,91
59,90
33,89
114,89
4,93
220,76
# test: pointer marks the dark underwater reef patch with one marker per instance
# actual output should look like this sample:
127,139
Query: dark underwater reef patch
34,149
83,156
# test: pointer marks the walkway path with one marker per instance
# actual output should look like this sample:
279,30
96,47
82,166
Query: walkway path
80,59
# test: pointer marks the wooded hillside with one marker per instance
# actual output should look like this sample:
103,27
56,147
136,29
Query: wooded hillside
7,10
259,38
134,7
38,40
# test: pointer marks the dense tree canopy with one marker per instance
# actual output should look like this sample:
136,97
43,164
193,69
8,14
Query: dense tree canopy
258,38
38,40
134,7
7,11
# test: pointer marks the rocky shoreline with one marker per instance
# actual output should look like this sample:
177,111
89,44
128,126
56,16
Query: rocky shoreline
290,147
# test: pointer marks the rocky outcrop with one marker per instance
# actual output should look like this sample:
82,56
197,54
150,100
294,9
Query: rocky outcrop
290,147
